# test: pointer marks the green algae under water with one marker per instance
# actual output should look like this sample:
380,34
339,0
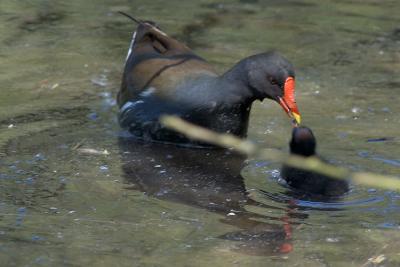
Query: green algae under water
151,205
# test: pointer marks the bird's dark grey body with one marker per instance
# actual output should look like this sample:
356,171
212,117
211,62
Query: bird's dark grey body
195,100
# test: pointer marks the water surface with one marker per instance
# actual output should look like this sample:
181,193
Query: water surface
154,205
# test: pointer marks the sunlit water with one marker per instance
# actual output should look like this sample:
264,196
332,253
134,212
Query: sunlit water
154,205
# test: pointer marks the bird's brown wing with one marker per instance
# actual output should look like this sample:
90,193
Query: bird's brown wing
160,62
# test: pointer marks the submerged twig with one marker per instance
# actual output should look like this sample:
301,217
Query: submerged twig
79,144
375,261
248,148
92,151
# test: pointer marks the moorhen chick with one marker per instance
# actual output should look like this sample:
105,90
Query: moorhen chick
164,76
304,144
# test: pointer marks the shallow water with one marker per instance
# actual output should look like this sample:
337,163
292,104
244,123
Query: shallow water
154,205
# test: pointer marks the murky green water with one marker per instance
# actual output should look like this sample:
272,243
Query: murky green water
150,205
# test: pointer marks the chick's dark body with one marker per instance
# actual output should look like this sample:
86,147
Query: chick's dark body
303,143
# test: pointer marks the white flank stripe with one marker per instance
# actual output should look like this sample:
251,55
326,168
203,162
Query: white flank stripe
148,92
130,104
130,46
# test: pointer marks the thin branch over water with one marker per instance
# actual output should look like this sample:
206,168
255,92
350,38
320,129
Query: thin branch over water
248,148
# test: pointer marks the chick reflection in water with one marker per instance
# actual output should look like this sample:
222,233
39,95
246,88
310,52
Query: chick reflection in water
208,179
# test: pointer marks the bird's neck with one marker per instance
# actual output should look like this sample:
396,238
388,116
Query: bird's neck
238,79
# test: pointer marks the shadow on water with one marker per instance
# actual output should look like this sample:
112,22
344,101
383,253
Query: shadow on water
209,179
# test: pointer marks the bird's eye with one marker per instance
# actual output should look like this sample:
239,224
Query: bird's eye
273,81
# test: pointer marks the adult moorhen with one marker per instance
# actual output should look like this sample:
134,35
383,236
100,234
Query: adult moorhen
164,76
304,144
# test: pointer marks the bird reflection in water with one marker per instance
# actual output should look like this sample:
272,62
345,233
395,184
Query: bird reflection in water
209,179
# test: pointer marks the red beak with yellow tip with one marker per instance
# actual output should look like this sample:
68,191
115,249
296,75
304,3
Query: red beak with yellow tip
288,101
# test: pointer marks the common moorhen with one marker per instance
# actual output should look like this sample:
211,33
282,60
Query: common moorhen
164,76
303,143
